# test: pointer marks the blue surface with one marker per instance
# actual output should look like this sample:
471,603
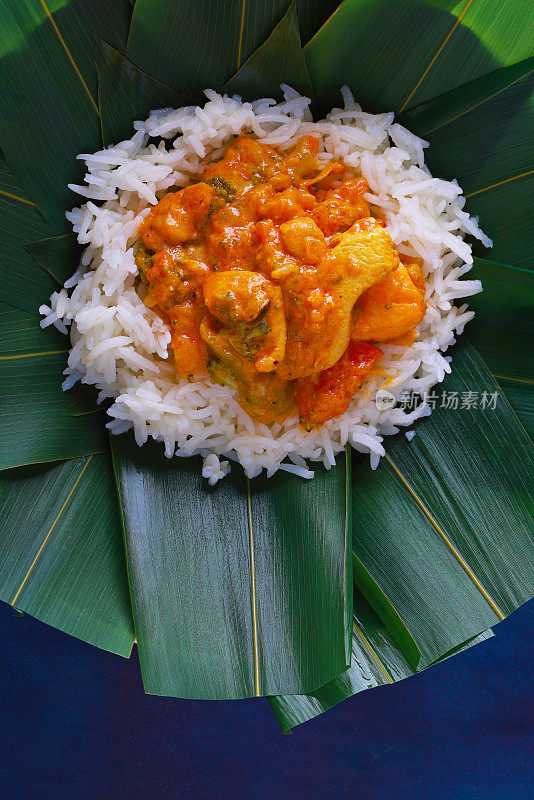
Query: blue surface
75,724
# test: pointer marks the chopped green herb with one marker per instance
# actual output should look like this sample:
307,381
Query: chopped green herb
224,189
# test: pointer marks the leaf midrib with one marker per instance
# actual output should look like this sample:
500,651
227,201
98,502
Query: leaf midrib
69,54
17,198
467,569
500,183
253,598
47,537
436,56
359,633
32,355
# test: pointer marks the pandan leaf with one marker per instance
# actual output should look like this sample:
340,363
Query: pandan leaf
238,591
376,661
24,285
58,255
379,50
61,556
193,46
48,106
278,60
125,94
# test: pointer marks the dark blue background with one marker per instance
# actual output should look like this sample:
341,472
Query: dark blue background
75,724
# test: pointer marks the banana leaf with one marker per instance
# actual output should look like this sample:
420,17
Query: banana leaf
20,333
513,239
463,489
125,94
461,53
439,561
278,60
433,114
62,425
503,316
239,591
58,255
20,222
61,557
299,601
196,45
48,104
312,15
461,42
493,171
520,395
377,660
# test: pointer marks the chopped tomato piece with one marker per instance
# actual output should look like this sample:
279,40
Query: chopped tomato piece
328,394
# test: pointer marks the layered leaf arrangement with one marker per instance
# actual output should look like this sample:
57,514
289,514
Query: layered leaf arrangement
247,589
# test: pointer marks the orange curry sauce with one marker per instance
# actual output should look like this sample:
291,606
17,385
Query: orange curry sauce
276,280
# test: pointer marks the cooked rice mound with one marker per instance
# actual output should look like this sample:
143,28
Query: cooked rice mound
121,346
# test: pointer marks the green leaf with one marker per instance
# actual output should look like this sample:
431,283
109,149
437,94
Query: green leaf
445,108
441,546
503,319
48,108
40,422
442,537
198,45
489,33
478,160
453,486
376,661
512,234
312,14
31,373
9,186
58,255
20,334
61,555
403,67
520,395
493,170
240,590
125,94
24,284
278,60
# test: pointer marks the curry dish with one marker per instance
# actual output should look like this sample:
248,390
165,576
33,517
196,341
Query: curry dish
277,281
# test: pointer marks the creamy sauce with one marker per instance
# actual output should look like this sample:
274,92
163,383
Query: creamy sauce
276,279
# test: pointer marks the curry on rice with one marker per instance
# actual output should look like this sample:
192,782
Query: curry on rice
277,281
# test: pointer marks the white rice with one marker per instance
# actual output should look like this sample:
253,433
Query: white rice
121,346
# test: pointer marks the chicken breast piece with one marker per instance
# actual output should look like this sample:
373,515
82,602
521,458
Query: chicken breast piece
319,301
